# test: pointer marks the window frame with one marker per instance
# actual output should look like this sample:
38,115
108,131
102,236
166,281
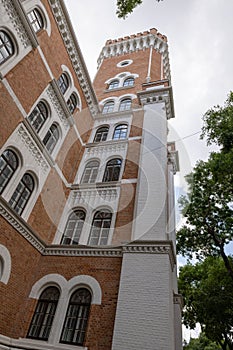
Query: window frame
63,83
51,138
108,107
104,224
36,19
125,104
114,84
93,172
128,79
110,170
72,102
102,133
5,45
70,236
123,132
39,112
7,164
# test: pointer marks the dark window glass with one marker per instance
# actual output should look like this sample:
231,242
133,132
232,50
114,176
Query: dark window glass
129,82
8,165
51,138
74,227
36,20
120,132
114,84
75,324
72,102
38,116
100,228
112,170
22,193
63,83
101,134
125,104
6,47
43,316
90,172
108,107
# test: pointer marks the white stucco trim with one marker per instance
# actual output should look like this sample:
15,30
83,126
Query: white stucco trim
6,264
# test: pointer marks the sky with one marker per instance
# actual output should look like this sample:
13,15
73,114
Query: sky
200,39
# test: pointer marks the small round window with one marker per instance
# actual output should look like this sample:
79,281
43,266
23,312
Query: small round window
124,63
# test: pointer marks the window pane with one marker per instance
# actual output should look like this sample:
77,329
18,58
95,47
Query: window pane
101,134
72,102
6,47
120,132
22,193
90,172
108,107
129,82
38,116
74,227
100,228
114,84
125,104
8,165
63,83
112,170
51,138
36,20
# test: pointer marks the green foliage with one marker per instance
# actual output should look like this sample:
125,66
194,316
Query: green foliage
125,7
201,343
208,206
207,290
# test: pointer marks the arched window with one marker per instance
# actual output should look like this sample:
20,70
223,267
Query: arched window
101,134
90,172
44,314
51,138
75,325
125,104
36,20
63,83
112,170
128,82
6,47
8,164
74,227
113,85
120,132
100,228
38,116
72,102
22,193
108,107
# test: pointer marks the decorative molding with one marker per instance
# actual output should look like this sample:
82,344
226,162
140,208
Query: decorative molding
33,148
97,149
83,196
84,251
66,30
135,43
20,22
62,113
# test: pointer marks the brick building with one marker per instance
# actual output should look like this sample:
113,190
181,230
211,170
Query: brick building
87,228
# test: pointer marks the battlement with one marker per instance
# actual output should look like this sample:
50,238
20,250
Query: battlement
153,31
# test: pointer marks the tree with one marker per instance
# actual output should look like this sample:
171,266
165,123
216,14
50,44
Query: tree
207,290
201,343
125,7
208,206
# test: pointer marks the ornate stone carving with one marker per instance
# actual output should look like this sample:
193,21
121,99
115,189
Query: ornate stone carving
86,195
107,148
33,148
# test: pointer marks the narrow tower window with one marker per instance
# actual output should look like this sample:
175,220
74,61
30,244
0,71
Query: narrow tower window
112,170
6,47
125,104
74,227
75,324
120,132
36,20
51,138
38,116
114,84
44,314
22,193
101,134
63,83
128,82
8,165
108,107
72,102
100,228
90,172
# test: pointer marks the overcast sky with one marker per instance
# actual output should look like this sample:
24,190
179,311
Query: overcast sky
200,38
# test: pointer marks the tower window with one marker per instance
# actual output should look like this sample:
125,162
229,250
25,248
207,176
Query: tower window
22,193
75,324
63,83
125,104
101,134
74,227
108,107
128,82
36,20
38,116
100,228
8,165
112,170
44,314
72,102
114,84
90,172
120,132
51,138
6,47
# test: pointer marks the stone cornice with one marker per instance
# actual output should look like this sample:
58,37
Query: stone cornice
136,247
20,21
158,95
67,33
